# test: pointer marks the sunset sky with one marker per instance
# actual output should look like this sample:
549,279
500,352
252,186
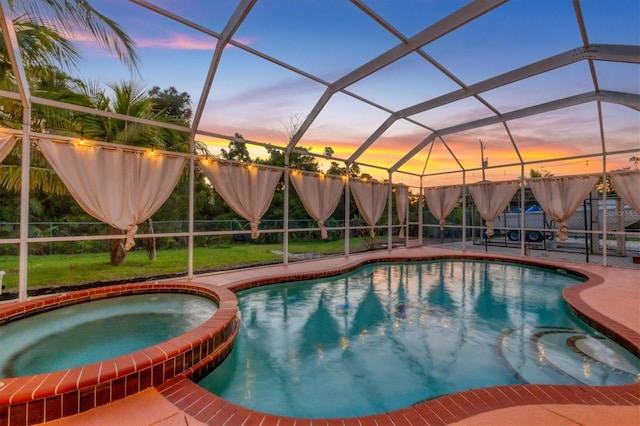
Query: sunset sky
330,38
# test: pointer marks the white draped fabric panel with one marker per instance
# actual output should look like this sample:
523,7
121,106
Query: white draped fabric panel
320,195
402,202
560,197
6,145
370,198
117,185
627,185
491,198
247,189
441,201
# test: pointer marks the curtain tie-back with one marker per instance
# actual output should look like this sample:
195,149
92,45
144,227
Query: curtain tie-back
254,229
563,231
323,230
372,232
131,232
442,223
489,230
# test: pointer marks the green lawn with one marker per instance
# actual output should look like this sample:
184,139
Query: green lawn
64,270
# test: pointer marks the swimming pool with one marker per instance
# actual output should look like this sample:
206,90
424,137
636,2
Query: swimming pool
389,335
97,331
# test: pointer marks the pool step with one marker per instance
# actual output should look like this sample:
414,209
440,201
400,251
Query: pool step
564,355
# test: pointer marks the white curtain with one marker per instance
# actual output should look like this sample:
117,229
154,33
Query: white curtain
441,201
560,197
246,188
402,201
370,198
491,198
117,185
627,185
6,145
320,195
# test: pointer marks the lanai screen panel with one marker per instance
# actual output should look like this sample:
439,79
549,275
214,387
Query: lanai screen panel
394,143
210,15
452,114
486,47
343,124
403,83
614,25
570,80
622,127
326,39
256,98
491,141
558,134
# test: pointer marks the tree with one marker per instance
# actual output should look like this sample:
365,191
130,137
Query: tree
338,170
533,173
169,102
237,150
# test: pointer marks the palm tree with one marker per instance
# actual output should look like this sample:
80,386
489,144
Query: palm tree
533,173
40,28
78,16
132,99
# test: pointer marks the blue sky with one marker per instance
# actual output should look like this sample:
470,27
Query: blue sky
329,38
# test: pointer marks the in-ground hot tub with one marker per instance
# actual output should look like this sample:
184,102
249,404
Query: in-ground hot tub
54,389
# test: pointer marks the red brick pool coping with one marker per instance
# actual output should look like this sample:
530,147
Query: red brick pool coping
44,397
214,410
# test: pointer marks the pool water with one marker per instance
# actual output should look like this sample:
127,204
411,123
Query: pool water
90,332
389,335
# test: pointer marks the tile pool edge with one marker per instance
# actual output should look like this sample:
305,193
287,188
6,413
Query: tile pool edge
44,397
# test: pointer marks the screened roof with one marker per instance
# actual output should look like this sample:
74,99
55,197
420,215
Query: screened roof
418,87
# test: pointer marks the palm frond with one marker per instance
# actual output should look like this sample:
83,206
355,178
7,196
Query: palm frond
78,15
41,179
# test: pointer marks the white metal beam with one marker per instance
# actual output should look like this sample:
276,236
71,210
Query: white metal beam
618,53
232,26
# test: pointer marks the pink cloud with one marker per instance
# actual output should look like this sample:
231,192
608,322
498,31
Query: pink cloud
174,40
179,41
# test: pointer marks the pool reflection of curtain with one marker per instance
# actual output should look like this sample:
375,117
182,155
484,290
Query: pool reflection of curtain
491,198
627,185
441,201
439,295
320,195
560,197
488,306
402,201
247,189
6,145
320,331
369,314
121,186
370,198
